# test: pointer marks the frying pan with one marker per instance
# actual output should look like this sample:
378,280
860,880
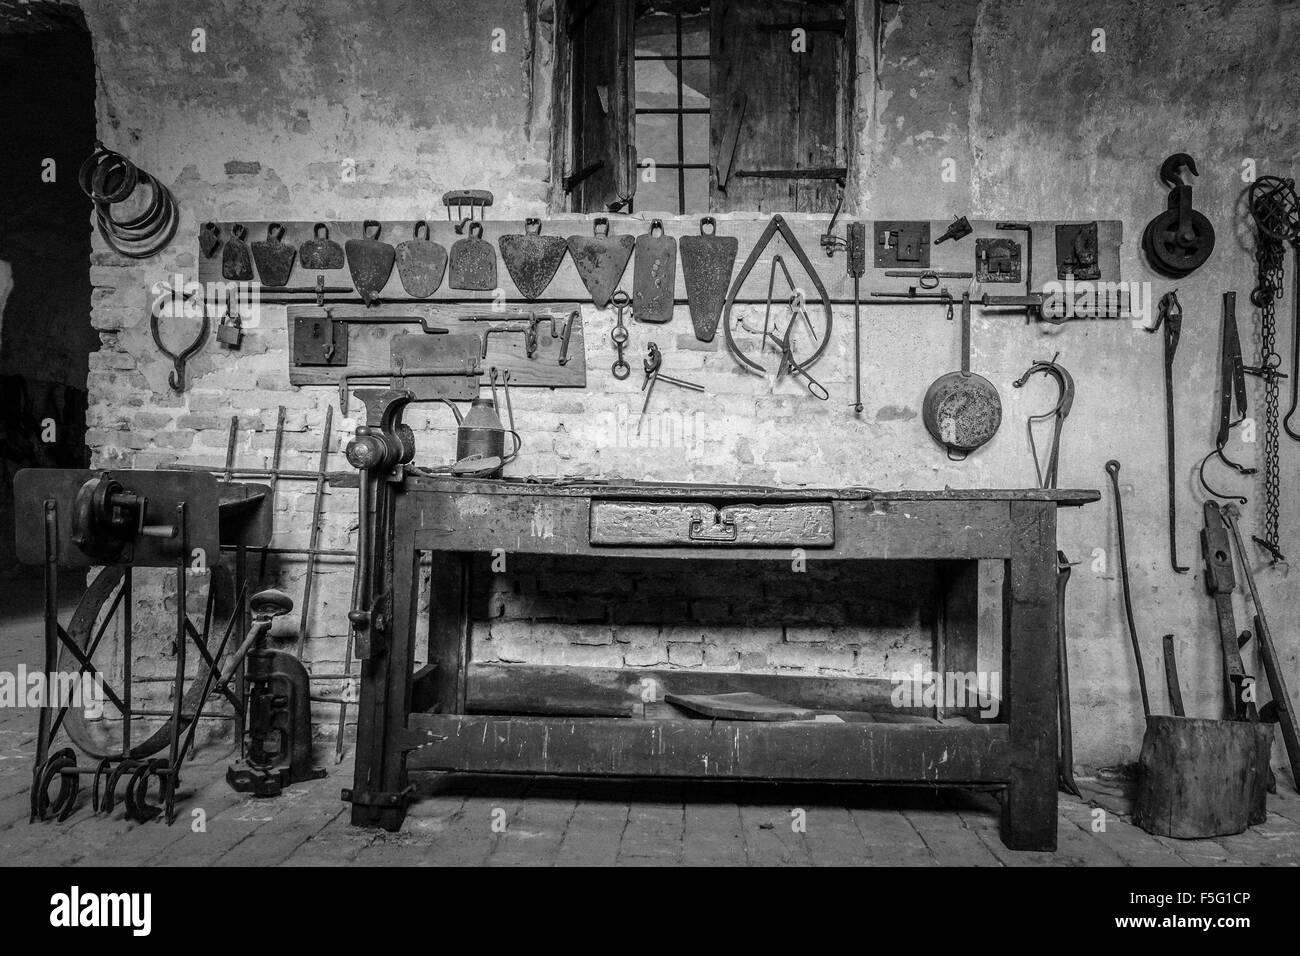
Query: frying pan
962,410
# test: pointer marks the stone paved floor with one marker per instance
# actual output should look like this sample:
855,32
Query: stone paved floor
559,822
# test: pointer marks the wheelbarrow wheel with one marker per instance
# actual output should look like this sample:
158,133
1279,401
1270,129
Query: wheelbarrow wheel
85,620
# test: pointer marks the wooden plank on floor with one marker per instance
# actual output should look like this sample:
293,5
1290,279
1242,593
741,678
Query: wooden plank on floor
653,834
705,749
594,832
833,838
770,839
1134,846
947,836
713,834
535,832
890,839
617,692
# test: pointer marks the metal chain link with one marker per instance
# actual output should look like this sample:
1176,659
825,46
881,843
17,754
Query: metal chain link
1269,259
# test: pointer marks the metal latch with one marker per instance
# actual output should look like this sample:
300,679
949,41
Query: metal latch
902,243
320,340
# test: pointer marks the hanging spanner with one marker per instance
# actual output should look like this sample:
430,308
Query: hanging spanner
653,364
1170,315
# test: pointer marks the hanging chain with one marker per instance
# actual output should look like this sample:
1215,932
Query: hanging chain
1269,259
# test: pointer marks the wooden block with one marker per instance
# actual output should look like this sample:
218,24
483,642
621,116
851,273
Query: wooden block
1202,778
371,333
742,705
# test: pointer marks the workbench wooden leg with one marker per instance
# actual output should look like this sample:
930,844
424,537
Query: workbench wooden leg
379,785
449,648
956,632
1029,678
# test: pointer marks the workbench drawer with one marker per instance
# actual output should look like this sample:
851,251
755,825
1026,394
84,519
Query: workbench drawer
677,524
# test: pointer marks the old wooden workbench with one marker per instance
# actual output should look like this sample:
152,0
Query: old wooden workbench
452,716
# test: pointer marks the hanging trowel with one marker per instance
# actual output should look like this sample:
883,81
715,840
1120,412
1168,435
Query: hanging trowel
420,262
600,259
320,252
274,258
210,239
707,261
236,263
532,259
654,277
473,263
370,262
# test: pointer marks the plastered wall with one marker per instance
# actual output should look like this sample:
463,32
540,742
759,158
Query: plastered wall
1036,124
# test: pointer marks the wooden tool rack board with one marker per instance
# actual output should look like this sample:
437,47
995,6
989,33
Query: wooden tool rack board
370,339
567,286
451,715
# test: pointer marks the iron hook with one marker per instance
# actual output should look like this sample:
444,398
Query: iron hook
1170,169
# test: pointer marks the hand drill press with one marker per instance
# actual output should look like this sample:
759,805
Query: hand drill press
279,710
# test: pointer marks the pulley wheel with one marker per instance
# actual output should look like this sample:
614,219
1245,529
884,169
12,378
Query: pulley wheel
1168,252
97,599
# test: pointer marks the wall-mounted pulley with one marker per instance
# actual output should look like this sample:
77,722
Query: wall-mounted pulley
1179,240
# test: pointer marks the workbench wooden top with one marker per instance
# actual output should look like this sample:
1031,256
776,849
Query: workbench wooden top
652,490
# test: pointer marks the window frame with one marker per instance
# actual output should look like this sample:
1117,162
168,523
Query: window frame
563,133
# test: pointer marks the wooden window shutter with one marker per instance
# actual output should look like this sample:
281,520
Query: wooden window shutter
602,156
777,110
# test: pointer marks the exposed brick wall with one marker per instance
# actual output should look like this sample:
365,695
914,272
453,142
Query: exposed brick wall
257,128
847,619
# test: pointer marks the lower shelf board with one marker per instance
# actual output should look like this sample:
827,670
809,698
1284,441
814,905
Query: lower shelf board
920,750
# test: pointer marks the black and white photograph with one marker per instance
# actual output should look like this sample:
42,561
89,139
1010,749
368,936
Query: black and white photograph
678,433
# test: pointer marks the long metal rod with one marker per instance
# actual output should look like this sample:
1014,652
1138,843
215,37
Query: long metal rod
1173,320
1295,344
182,641
1172,683
1112,468
128,636
1065,769
89,655
857,349
241,611
360,591
275,480
51,641
313,543
1272,663
207,681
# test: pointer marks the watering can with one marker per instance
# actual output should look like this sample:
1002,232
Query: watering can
481,437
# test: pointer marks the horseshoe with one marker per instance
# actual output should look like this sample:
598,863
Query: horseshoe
138,807
102,770
62,804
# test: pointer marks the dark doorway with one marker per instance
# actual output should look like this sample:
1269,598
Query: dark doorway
47,110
